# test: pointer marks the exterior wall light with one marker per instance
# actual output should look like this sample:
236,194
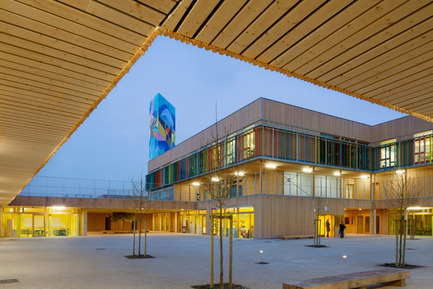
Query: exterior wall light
58,207
307,170
271,166
240,174
400,172
364,177
215,179
337,174
196,184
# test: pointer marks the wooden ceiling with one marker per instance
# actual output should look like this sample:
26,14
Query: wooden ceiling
59,59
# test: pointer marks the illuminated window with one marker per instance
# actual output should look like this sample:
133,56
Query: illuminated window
230,146
423,146
350,191
387,153
248,144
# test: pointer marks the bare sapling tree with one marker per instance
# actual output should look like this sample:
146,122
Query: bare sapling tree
217,190
318,205
402,191
140,198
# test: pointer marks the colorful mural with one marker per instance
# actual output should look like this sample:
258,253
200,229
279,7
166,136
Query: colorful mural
162,126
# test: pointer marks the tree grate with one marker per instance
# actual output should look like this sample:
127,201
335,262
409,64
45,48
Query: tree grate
7,281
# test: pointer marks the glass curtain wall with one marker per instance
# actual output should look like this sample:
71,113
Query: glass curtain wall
40,222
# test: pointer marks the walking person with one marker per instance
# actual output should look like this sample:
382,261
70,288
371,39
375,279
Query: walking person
328,227
342,227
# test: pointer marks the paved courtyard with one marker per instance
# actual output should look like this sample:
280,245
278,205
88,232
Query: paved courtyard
182,260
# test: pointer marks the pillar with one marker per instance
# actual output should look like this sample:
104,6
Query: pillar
260,203
371,221
175,223
83,227
1,222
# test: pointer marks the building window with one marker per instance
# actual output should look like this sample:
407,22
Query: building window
248,145
387,153
230,146
350,191
422,146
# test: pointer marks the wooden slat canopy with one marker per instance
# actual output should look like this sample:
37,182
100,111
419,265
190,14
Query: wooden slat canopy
59,59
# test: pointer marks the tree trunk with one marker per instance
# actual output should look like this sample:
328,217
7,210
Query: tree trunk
231,253
221,251
403,264
133,238
145,238
211,251
401,244
139,237
396,243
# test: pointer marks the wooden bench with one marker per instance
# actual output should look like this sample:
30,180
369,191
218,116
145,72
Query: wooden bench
360,280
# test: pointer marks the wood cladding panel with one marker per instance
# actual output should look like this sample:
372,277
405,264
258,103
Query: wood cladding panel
242,20
340,20
260,25
216,23
295,25
293,216
378,32
370,66
196,17
401,128
304,120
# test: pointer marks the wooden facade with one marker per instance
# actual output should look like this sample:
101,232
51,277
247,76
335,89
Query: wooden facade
348,161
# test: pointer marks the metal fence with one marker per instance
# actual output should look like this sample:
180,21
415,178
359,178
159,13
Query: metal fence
44,186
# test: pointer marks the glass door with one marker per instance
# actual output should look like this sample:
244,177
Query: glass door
38,225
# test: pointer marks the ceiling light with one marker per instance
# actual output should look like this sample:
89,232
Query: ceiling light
337,174
240,174
215,179
399,172
271,166
307,170
364,177
196,184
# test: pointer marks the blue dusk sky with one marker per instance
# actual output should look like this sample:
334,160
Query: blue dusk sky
113,143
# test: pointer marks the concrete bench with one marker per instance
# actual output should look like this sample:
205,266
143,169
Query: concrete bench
360,280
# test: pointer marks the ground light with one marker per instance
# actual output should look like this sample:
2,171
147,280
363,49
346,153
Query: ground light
262,262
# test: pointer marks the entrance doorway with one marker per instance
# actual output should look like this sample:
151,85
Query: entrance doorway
38,226
360,224
322,220
107,223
